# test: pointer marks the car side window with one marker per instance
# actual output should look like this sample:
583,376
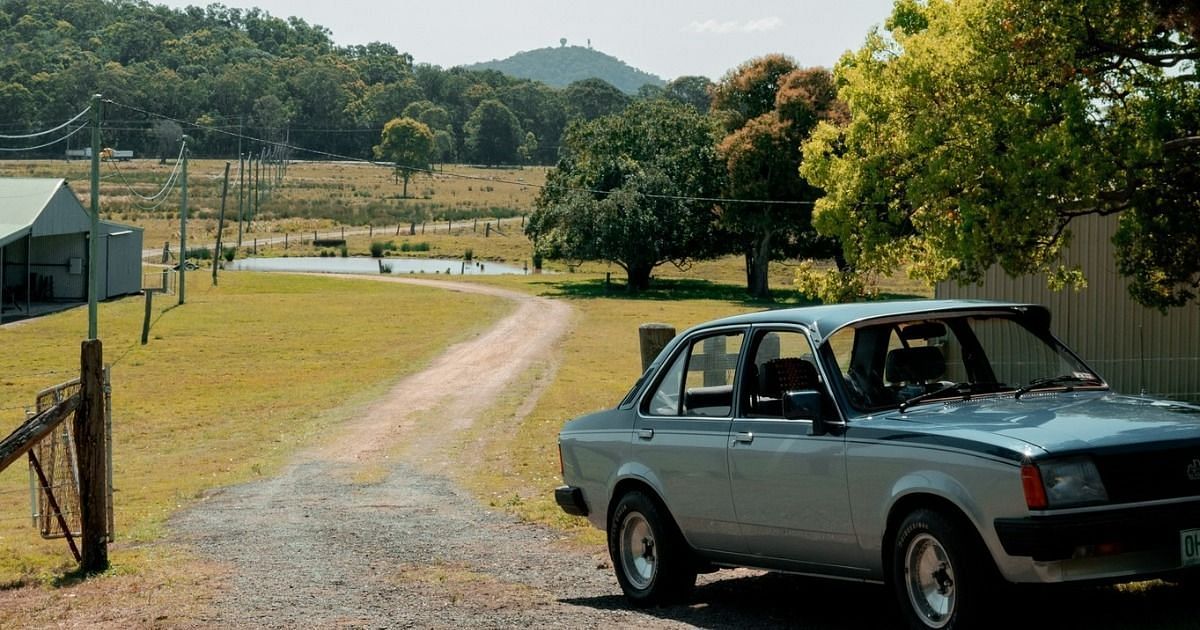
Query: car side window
781,361
699,381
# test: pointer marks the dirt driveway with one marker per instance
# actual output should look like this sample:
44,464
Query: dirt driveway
372,531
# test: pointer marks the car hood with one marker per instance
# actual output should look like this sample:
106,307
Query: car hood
1060,422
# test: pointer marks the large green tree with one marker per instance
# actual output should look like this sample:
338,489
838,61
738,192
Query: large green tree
980,128
592,98
408,144
493,134
769,107
630,189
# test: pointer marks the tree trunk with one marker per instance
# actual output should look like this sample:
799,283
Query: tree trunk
758,259
638,278
405,194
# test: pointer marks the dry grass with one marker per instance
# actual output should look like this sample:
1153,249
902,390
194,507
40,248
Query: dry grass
230,384
313,195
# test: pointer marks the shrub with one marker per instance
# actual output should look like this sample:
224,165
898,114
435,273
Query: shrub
831,286
469,255
377,249
228,253
345,251
199,253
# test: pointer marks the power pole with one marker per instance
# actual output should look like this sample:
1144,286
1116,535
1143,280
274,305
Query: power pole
94,241
220,225
241,189
183,211
241,178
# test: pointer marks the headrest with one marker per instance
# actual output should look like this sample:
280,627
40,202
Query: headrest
787,375
914,365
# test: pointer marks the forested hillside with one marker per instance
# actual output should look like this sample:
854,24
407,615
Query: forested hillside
562,66
232,68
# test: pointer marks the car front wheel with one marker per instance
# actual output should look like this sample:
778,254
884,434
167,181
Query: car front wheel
650,557
938,574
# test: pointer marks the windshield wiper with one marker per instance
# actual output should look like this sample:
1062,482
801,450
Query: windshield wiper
1054,381
956,387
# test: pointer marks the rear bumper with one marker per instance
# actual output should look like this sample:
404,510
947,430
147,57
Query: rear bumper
1047,538
570,499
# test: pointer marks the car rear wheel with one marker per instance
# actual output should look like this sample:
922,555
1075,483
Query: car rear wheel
652,561
939,574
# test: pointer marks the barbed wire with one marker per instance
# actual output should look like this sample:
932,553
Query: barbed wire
42,146
46,132
350,158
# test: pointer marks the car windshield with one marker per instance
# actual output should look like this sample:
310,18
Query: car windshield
900,363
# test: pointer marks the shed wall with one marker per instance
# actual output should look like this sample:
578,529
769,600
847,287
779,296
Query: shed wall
121,261
1133,347
63,214
51,257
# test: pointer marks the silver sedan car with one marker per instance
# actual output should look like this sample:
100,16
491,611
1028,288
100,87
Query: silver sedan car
940,447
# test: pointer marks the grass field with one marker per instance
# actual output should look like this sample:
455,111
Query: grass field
312,196
230,384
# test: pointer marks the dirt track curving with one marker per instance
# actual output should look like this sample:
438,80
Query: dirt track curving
317,546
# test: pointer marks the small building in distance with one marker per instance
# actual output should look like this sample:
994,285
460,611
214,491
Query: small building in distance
1136,349
45,233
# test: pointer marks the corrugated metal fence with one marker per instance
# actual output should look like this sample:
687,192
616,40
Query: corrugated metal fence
1134,348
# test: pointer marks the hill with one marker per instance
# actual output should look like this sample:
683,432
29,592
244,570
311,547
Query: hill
559,67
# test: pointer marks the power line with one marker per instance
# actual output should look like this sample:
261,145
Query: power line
47,132
349,158
170,183
42,146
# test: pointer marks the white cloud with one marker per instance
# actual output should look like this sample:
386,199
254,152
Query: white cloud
717,27
762,25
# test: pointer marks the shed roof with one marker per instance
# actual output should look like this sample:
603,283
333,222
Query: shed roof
22,201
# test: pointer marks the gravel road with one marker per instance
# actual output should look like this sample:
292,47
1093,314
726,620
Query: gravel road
317,546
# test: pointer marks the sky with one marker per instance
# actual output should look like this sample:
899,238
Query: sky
669,38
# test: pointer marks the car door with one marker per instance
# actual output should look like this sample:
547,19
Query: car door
681,434
789,486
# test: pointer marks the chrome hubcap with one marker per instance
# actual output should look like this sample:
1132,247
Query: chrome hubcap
929,577
639,559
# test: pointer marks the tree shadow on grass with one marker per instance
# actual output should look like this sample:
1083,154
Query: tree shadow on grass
678,289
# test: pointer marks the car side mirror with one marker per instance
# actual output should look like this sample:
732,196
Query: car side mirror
804,405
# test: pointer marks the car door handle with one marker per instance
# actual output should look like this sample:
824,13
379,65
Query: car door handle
645,434
744,438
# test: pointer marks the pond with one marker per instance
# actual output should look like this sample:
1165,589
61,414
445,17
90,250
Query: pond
363,265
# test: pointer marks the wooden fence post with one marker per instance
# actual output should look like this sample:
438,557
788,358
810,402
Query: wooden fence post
652,339
92,458
146,319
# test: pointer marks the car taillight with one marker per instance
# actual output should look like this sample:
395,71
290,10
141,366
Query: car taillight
1031,482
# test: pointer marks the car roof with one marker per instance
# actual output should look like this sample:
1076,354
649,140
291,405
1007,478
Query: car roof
828,319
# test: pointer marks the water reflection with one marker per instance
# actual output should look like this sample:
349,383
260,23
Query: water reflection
363,265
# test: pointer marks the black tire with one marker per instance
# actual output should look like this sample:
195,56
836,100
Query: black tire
940,573
650,557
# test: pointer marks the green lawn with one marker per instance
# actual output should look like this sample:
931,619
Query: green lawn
229,385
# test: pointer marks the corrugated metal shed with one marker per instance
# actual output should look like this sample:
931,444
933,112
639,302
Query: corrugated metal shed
44,237
39,207
121,253
1135,348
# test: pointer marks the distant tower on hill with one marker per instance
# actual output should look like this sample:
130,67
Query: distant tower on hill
562,42
589,42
